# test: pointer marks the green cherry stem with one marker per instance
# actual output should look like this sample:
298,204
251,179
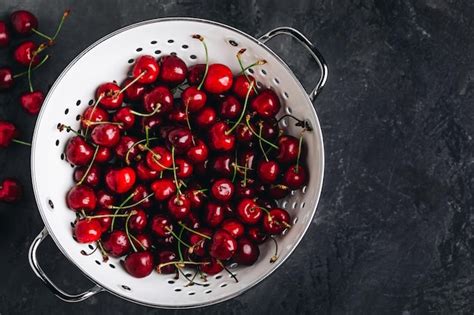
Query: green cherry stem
155,110
180,263
100,216
180,253
88,167
128,233
118,209
21,142
300,144
33,69
92,112
258,136
197,36
260,143
174,172
275,256
136,240
194,231
179,238
243,111
127,160
134,204
243,70
156,158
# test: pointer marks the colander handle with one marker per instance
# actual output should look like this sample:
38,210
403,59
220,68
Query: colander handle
285,30
40,273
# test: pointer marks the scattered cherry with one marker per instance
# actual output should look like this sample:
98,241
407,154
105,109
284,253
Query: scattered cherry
10,190
23,22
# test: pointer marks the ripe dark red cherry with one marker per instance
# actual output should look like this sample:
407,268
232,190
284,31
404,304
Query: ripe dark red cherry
105,220
93,175
266,104
159,158
135,91
199,243
92,115
105,199
159,96
222,165
198,152
245,189
222,189
116,244
4,35
139,264
179,206
287,149
103,155
184,169
87,230
270,128
152,122
243,134
8,132
205,117
173,70
218,79
109,95
6,78
161,225
164,257
138,221
145,173
248,158
24,53
196,197
181,139
279,191
78,151
163,188
242,85
106,135
148,65
81,197
295,177
140,194
234,227
23,22
196,73
248,211
223,245
213,214
193,99
142,242
256,234
126,145
219,140
276,221
120,180
268,171
247,252
230,107
212,266
10,190
125,117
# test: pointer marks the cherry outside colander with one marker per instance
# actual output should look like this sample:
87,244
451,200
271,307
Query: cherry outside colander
108,59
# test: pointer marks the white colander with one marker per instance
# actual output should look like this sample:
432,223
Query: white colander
109,59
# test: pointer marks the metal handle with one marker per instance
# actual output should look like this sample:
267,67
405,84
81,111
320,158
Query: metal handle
285,30
40,273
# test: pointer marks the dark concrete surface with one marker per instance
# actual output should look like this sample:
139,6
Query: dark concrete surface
394,229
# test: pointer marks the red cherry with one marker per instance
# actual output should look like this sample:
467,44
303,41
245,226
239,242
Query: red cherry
212,267
181,139
158,159
145,173
270,128
222,189
81,197
8,133
243,134
218,139
222,165
103,155
138,221
159,95
6,78
142,242
245,189
295,177
24,53
256,234
268,171
126,145
178,115
105,199
106,220
93,114
279,191
126,117
205,117
247,252
248,211
198,152
93,176
106,135
173,70
276,221
218,79
196,197
199,243
163,188
166,256
109,95
161,225
135,91
10,190
223,245
140,194
248,159
4,35
242,84
139,264
179,206
23,22
152,122
148,65
87,230
196,73
234,227
120,180
287,149
230,107
78,151
184,169
213,214
266,104
194,99
116,244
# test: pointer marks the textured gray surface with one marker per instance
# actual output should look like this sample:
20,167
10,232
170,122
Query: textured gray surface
394,229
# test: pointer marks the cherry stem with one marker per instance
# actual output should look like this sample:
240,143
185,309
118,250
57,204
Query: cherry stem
136,240
197,36
179,238
132,82
88,167
134,204
260,143
93,110
21,142
83,252
127,160
228,271
118,209
243,70
200,191
105,257
186,111
257,135
234,175
156,158
128,233
33,69
178,264
90,123
244,181
180,253
243,111
155,110
191,282
61,127
256,63
37,32
63,18
178,189
194,231
275,256
111,215
300,143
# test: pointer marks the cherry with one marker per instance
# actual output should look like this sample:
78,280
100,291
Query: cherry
181,139
196,73
140,194
222,165
145,173
161,225
198,242
87,230
106,135
234,227
295,177
247,252
163,188
125,117
222,189
126,145
196,197
142,242
93,114
93,175
159,96
4,35
151,122
105,199
184,169
179,206
138,221
23,22
270,128
223,245
218,79
287,149
276,221
120,180
159,158
139,264
78,151
178,115
103,155
242,84
148,65
248,159
81,197
213,214
230,107
268,171
8,132
212,266
248,211
266,104
198,152
105,220
173,70
6,78
243,134
279,191
10,190
194,99
134,91
245,189
109,95
164,257
256,234
219,140
205,117
24,54
116,244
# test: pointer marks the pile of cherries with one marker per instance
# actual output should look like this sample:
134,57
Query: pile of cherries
28,57
181,167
